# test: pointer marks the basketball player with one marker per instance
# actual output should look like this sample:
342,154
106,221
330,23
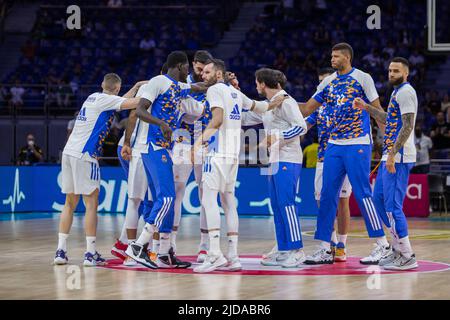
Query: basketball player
399,156
348,151
221,164
283,127
159,111
182,151
79,165
322,118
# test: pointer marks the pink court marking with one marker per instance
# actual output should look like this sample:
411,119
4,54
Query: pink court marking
252,267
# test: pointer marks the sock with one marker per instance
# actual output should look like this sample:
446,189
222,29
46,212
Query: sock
90,244
62,241
382,241
325,245
333,237
232,246
146,234
123,235
204,238
173,238
155,245
164,243
405,247
214,242
342,238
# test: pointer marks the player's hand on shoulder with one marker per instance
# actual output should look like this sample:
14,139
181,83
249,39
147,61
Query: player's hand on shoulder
278,101
140,84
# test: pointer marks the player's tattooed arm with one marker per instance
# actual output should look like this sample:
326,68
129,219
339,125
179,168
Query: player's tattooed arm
143,114
405,132
376,112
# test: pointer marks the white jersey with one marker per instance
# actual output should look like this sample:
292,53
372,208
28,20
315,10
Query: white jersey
227,140
92,125
287,123
403,101
133,135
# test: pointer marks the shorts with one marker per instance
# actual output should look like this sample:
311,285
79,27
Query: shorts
182,164
346,189
137,179
80,175
220,173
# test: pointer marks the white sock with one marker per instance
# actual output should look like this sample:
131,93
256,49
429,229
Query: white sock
214,242
325,245
405,247
90,244
155,245
146,234
232,246
204,240
333,237
173,239
123,234
164,243
382,241
62,241
342,238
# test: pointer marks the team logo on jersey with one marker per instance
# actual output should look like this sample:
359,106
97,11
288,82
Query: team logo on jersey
235,114
164,158
234,95
82,115
284,168
360,151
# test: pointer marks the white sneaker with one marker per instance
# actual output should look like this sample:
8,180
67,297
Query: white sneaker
234,264
211,263
295,259
274,250
129,262
321,256
402,263
377,254
202,254
275,258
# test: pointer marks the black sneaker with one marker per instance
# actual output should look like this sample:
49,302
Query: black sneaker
171,261
139,254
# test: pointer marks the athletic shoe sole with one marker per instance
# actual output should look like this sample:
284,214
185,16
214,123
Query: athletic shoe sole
60,262
369,263
139,260
310,262
340,259
119,253
221,262
401,268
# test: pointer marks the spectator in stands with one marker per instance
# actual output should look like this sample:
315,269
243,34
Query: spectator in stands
148,43
5,95
17,92
31,153
280,62
440,132
445,104
434,103
115,3
423,147
310,153
63,94
29,50
416,59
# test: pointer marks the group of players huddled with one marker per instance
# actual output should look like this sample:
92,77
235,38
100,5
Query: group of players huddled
181,122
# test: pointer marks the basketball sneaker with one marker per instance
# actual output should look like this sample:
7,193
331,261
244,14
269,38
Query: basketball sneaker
170,261
274,249
92,260
377,253
152,255
211,263
391,257
129,262
138,253
118,250
275,258
234,264
340,253
60,258
333,248
402,263
295,259
321,256
202,254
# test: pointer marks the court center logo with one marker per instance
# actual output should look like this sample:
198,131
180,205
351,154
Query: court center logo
17,194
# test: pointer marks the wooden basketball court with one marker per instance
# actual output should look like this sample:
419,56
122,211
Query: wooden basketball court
28,243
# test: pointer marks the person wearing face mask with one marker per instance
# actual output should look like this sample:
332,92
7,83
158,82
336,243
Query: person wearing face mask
423,146
31,153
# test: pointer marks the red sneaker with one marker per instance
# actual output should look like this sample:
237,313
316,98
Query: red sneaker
118,250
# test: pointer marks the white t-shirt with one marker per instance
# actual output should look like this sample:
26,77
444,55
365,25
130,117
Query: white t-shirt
288,124
92,125
227,140
423,154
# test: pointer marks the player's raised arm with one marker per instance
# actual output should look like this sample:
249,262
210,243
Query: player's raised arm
133,91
